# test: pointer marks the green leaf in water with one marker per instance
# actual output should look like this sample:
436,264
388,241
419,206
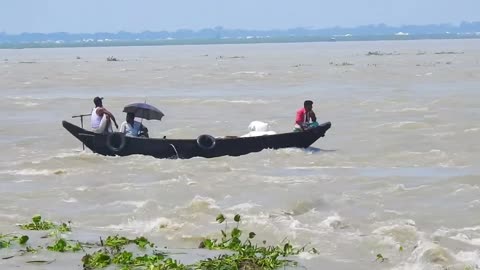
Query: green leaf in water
236,233
23,240
220,218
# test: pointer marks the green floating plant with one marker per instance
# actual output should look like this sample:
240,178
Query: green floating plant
62,245
242,253
38,224
117,242
247,256
7,240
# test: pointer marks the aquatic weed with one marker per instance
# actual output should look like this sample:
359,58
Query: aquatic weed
247,256
241,254
38,224
62,245
117,242
7,240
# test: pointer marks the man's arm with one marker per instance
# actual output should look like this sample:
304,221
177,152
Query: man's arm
105,111
313,116
123,128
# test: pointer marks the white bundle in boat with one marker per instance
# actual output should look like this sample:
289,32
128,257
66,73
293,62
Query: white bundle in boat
259,128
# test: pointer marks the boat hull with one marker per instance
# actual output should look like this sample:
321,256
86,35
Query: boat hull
180,148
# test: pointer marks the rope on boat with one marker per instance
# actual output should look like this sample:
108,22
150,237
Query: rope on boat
173,146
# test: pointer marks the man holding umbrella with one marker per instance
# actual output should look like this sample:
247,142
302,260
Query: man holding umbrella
133,128
141,110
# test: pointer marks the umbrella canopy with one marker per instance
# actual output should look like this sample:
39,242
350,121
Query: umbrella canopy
144,110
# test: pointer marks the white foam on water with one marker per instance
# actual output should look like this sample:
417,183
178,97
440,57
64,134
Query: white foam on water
70,200
145,226
306,255
419,109
466,239
470,258
289,151
426,256
243,207
320,167
403,125
408,109
256,101
23,181
474,204
332,222
26,103
401,187
432,256
74,153
136,204
254,73
81,188
471,130
34,172
200,203
469,235
398,213
399,233
443,134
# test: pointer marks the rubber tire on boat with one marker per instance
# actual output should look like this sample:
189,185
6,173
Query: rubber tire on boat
112,137
206,142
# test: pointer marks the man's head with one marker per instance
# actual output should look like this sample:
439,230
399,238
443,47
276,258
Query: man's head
308,104
130,117
97,101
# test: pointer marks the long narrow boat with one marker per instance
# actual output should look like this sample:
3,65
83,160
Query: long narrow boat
204,146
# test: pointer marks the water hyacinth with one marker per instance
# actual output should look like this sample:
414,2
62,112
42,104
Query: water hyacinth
115,250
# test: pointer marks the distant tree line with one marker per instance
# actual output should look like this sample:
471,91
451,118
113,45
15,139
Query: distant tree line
222,33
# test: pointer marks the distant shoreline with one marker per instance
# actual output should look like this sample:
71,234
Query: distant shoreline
245,40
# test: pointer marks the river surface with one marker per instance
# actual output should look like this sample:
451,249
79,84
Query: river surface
397,174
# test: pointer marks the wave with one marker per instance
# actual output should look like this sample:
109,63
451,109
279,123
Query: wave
257,101
70,200
145,226
243,207
333,222
471,130
254,73
408,109
200,204
403,124
26,103
137,204
409,248
34,172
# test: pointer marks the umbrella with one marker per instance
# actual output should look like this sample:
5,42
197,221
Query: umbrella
144,111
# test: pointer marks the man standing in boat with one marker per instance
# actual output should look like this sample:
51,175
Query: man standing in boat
101,118
305,117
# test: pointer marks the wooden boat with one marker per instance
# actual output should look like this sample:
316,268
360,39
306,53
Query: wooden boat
204,146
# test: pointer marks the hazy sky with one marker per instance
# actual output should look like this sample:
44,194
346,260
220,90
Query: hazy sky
155,15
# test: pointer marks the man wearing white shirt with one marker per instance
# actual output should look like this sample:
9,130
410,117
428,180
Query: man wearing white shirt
133,128
101,118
